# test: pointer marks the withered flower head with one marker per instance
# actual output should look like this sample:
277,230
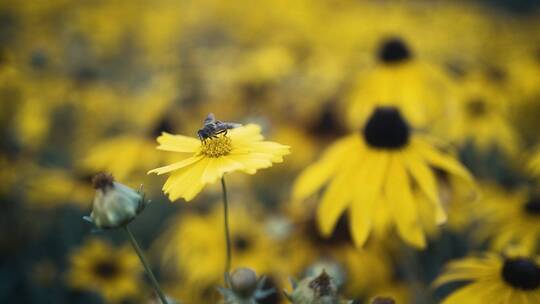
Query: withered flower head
114,204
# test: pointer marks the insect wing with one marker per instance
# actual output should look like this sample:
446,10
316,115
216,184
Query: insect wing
210,118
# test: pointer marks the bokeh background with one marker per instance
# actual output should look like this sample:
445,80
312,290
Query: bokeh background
87,86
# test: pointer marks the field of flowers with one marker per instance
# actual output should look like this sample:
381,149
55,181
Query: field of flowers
270,152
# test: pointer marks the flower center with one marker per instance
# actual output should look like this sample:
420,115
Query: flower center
216,146
521,273
496,74
241,243
106,269
394,50
386,129
532,207
476,107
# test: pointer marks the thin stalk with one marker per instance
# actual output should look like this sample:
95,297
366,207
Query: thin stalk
227,233
145,264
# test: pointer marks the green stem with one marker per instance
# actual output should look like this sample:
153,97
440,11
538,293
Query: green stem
144,262
227,233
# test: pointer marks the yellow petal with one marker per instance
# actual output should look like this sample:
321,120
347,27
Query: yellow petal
469,269
441,161
468,294
178,143
186,183
425,178
245,134
251,163
368,187
179,165
316,175
334,201
404,208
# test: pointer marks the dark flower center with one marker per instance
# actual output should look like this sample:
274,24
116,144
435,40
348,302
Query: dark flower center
533,206
521,273
386,129
496,74
102,180
106,269
394,50
476,107
241,243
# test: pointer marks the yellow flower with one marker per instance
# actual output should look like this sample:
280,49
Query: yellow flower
494,279
191,244
483,118
510,218
378,175
205,161
189,249
121,155
111,272
399,78
54,187
359,271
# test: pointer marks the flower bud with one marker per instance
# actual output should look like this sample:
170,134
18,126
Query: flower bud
244,281
114,203
246,288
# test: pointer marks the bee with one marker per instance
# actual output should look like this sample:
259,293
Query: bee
213,127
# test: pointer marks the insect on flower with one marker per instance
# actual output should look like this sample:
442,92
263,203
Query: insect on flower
213,127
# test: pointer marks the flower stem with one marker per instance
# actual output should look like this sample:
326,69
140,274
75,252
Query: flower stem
144,262
227,233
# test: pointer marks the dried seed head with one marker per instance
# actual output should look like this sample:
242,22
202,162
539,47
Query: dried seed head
315,290
114,204
321,284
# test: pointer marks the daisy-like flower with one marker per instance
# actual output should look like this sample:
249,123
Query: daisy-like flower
494,279
190,245
379,175
400,78
483,118
510,218
203,161
99,267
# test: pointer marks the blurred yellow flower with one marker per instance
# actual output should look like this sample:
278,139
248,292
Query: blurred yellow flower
121,155
373,173
400,79
509,218
494,279
190,248
112,272
205,161
54,187
482,118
